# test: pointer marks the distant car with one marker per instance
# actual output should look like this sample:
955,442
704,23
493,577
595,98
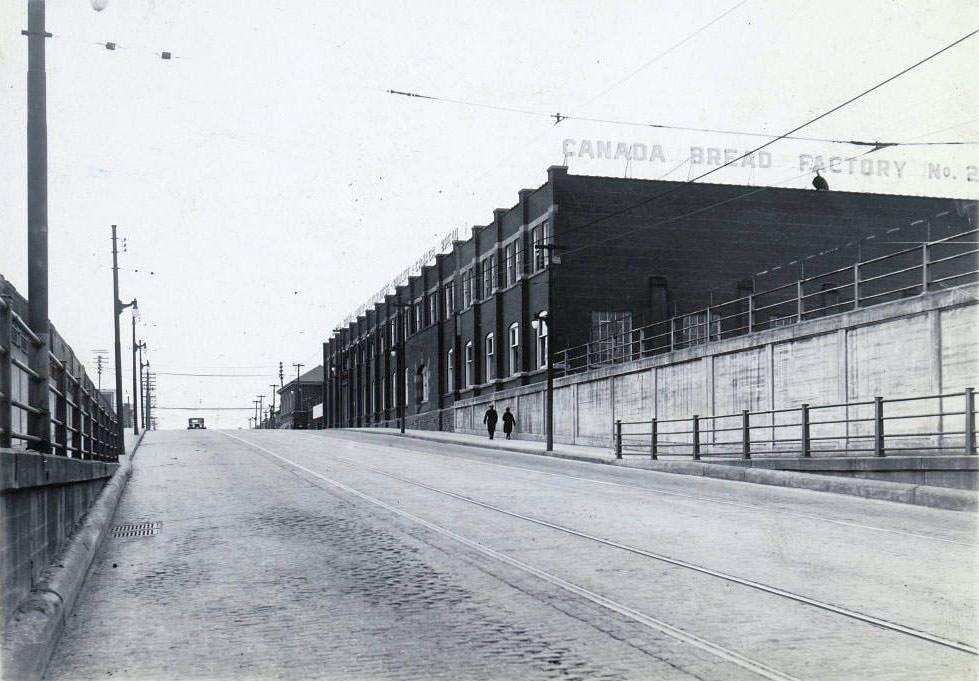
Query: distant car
196,424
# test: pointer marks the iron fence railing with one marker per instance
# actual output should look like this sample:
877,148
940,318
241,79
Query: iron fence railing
932,423
943,263
83,424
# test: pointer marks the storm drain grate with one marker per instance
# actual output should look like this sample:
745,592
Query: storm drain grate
136,530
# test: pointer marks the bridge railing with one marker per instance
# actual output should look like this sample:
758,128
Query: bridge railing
934,424
928,266
83,424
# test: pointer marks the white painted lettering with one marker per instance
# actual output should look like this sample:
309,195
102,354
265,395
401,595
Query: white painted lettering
696,155
585,151
730,155
604,148
834,164
657,154
713,156
639,152
568,147
622,150
867,166
899,167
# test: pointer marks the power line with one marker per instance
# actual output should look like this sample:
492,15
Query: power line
664,53
205,408
689,128
175,373
759,148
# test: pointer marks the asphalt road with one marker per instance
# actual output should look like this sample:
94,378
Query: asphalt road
291,554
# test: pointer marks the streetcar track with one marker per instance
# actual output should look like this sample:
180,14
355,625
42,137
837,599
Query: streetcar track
822,605
665,628
695,497
812,602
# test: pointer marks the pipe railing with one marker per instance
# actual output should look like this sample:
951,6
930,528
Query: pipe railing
908,272
878,427
83,425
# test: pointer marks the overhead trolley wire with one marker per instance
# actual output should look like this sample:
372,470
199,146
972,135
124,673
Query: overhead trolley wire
686,128
762,146
664,53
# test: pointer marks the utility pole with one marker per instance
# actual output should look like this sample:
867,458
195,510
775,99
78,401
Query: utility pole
135,408
261,409
297,406
99,363
39,420
119,307
272,407
150,386
140,347
255,418
281,376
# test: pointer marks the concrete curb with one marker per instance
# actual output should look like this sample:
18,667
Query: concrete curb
898,492
491,444
33,630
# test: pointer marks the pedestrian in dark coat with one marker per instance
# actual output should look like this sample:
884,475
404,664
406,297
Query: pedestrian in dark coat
490,418
508,422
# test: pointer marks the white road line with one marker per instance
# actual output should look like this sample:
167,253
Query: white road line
759,668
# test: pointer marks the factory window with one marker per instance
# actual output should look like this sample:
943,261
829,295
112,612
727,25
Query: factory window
467,287
611,336
450,299
450,371
418,315
433,306
490,356
489,275
469,364
512,257
541,343
514,337
539,238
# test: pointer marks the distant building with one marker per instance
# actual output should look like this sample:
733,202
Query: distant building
600,256
297,399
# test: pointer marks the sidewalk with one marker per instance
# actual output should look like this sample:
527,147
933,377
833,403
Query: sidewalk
561,451
904,493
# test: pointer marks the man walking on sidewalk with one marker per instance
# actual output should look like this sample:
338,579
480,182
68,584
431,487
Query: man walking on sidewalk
508,422
489,418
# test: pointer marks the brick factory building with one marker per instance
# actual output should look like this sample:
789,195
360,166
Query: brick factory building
601,256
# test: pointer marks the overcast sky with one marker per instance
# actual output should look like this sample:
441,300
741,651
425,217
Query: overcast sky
272,186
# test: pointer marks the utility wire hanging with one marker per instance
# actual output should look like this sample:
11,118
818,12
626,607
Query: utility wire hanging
769,143
559,117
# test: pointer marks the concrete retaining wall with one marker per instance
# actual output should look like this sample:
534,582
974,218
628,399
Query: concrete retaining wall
919,346
42,499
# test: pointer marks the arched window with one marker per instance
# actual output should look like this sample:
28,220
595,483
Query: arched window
469,364
490,358
514,340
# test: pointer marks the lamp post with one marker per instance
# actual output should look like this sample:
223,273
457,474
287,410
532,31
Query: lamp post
135,408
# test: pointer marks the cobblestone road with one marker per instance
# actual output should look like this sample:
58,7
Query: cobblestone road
298,555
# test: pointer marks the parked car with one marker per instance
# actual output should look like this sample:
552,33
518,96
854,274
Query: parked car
195,424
